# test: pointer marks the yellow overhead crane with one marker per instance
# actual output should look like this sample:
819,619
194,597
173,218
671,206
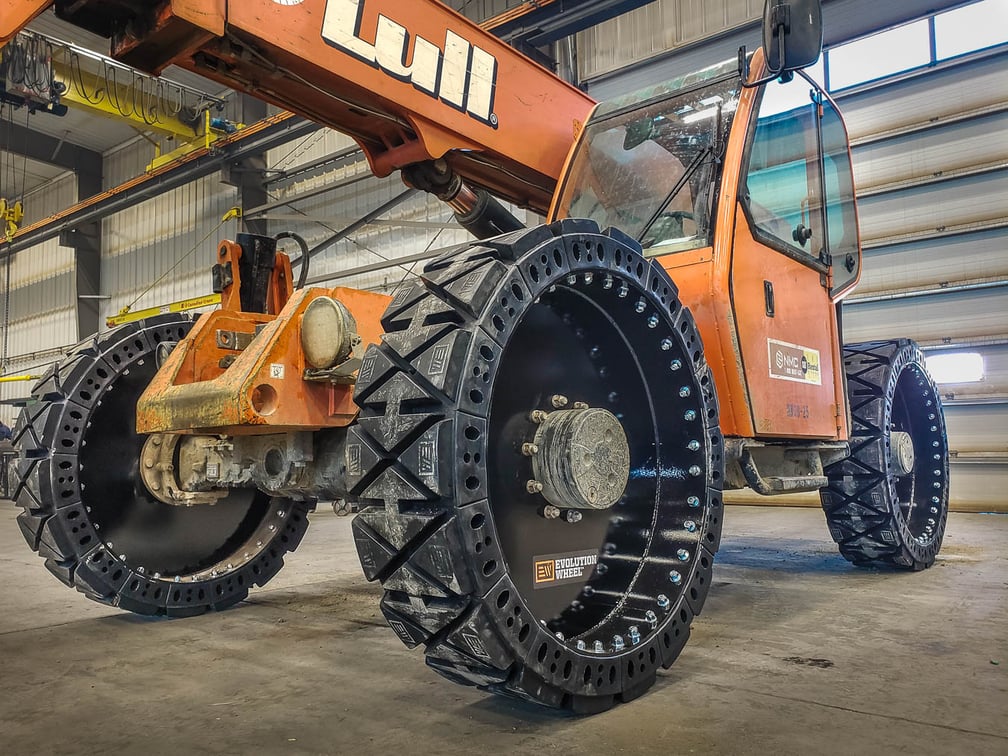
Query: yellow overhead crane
51,75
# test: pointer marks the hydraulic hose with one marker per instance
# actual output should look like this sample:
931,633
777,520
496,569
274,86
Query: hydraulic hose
305,259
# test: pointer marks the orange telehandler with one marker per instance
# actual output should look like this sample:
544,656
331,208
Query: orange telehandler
539,428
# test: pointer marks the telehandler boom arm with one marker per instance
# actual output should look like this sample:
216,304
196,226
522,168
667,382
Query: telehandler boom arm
411,82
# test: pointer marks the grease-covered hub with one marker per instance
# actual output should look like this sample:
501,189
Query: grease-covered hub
901,444
581,458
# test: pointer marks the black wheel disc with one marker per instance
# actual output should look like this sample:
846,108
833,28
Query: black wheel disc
88,513
573,614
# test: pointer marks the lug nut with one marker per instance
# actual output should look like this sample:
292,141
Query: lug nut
617,643
675,576
580,645
533,486
652,618
599,648
634,635
528,449
538,416
582,405
663,601
550,512
572,516
558,401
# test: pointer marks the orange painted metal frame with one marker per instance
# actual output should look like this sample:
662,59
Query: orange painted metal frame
204,387
16,14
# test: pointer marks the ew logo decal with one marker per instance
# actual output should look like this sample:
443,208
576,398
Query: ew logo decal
460,74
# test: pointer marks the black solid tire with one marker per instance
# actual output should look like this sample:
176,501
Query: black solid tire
69,524
876,516
418,461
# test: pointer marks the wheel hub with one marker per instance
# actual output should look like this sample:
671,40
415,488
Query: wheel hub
581,457
901,444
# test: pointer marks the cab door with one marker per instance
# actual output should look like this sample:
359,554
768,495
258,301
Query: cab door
782,265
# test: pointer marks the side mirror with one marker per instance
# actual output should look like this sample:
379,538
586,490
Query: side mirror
792,34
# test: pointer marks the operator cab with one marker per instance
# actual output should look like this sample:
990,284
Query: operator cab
651,163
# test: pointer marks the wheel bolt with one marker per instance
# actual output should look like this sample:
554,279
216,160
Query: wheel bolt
684,392
550,512
683,555
675,576
571,279
663,601
689,415
533,486
528,449
622,291
599,648
589,277
580,645
652,618
693,445
690,526
560,636
675,364
695,471
634,635
693,501
538,416
572,516
607,282
652,322
666,344
639,306
617,643
934,510
559,400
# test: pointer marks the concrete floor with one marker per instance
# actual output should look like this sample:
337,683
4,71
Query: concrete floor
796,653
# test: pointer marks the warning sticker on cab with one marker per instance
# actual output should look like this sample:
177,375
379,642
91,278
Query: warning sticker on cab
791,362
556,569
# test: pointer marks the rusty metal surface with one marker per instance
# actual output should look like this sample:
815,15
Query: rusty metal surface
263,390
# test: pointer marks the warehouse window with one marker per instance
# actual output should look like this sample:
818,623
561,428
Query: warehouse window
939,37
884,54
956,367
972,27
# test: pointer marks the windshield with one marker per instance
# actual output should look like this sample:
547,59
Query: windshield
650,171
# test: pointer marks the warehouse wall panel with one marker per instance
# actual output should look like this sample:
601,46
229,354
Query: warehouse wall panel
959,316
944,260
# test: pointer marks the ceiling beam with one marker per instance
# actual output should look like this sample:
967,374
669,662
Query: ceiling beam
540,23
20,140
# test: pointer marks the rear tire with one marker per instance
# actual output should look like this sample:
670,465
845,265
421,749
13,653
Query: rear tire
879,513
490,333
87,513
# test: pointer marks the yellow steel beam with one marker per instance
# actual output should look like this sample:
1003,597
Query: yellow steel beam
186,304
123,95
15,378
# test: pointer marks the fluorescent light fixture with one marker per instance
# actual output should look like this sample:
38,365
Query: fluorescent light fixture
956,367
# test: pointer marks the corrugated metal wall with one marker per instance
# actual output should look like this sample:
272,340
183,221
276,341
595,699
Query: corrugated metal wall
161,250
348,192
43,293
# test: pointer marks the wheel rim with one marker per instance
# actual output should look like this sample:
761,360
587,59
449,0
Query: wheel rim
148,535
593,339
919,492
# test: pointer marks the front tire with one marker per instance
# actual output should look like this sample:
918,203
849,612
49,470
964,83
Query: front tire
887,503
449,526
